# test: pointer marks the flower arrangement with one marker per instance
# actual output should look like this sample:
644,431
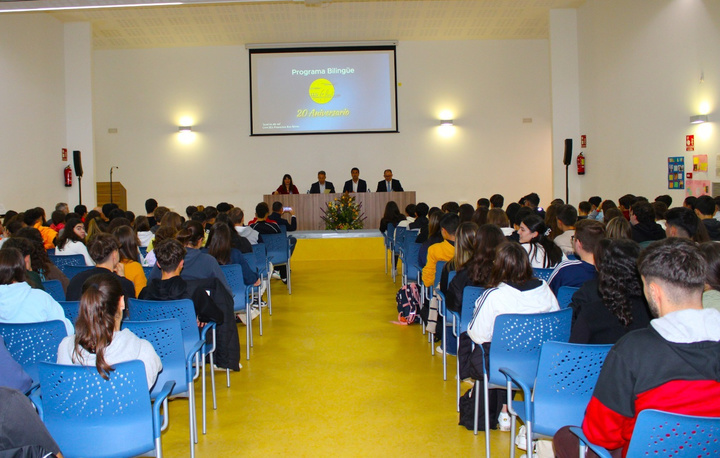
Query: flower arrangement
343,213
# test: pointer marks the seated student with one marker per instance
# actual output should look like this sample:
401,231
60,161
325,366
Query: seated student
12,374
575,273
618,228
609,306
263,226
478,216
432,237
420,222
711,295
512,289
497,201
39,259
211,300
104,249
276,215
237,218
443,251
566,218
27,250
72,241
142,229
551,221
672,365
533,235
705,209
660,209
321,186
410,214
499,218
219,247
22,432
34,217
644,227
19,303
57,219
684,223
163,233
391,215
584,209
130,257
98,340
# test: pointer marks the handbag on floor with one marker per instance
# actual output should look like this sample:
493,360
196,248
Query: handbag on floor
408,303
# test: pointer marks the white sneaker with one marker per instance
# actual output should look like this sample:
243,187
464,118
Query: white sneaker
222,369
504,421
276,275
439,350
521,438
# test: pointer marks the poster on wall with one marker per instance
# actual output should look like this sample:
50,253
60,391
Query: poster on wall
697,188
689,143
700,163
676,172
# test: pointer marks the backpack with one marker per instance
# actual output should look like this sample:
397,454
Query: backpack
408,303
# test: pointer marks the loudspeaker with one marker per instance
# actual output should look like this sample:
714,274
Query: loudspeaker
77,162
568,151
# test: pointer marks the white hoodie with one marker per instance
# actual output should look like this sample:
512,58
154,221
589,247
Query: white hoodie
19,303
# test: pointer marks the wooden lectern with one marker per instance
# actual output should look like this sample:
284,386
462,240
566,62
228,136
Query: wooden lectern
119,194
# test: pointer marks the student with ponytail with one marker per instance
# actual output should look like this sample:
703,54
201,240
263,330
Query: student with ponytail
534,237
98,340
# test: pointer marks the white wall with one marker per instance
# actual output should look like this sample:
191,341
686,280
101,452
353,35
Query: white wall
32,112
640,67
489,86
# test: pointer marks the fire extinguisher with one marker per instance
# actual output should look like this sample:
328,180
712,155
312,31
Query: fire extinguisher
581,164
68,176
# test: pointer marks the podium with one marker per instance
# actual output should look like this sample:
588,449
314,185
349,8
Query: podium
308,207
119,194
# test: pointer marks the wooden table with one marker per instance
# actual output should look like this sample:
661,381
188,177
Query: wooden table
308,207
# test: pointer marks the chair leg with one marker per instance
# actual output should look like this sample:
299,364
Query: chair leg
204,393
248,331
444,347
457,369
477,407
269,298
486,394
259,310
212,380
289,277
158,448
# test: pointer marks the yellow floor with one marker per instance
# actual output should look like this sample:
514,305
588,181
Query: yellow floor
333,377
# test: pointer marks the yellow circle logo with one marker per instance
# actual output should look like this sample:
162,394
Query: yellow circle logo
322,90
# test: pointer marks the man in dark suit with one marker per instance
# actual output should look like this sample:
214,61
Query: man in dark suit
356,184
388,184
321,186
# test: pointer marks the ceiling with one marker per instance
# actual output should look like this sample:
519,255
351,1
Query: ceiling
246,21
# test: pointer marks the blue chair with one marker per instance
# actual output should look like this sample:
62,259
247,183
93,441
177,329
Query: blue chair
32,343
184,311
71,271
54,289
278,252
442,311
242,297
252,263
430,291
147,270
90,416
565,380
398,240
460,322
659,433
143,250
564,296
411,264
263,266
388,238
516,343
542,274
61,261
71,309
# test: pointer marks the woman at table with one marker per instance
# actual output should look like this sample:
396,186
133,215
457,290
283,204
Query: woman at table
287,186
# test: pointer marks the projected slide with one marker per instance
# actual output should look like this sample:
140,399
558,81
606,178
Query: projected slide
323,91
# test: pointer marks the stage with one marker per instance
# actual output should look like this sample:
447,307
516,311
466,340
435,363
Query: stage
362,244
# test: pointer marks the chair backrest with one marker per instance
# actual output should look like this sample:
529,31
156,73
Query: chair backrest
518,338
411,264
251,259
564,296
399,238
278,248
261,258
71,271
234,277
438,272
147,270
54,289
67,260
389,233
90,416
71,309
659,433
470,295
566,377
542,274
31,343
166,338
182,309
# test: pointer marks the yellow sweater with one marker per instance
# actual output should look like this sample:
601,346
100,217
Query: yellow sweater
439,252
135,273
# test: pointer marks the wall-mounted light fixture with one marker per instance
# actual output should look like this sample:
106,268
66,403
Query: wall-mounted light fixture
698,119
446,122
183,129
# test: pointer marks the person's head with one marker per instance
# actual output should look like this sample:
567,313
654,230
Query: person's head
237,216
465,212
705,207
219,243
567,215
511,265
277,207
38,258
711,253
211,213
498,217
660,208
497,201
57,217
192,235
666,199
287,181
689,202
642,213
584,208
160,212
465,236
421,209
520,215
12,265
595,201
673,271
532,200
74,230
588,234
618,228
448,225
25,246
107,209
223,207
626,201
450,207
607,205
410,210
116,213
618,277
99,316
355,173
479,216
92,227
387,174
434,222
199,216
487,238
164,233
32,216
321,177
191,210
117,222
511,211
557,201
483,202
684,222
611,213
62,207
142,224
392,211
169,254
81,210
128,243
92,214
534,231
104,249
171,219
261,210
531,228
150,206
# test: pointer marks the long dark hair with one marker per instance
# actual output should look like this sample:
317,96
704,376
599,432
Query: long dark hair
290,186
128,243
511,265
68,233
191,234
618,276
38,259
219,243
465,237
487,238
392,213
95,324
553,253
